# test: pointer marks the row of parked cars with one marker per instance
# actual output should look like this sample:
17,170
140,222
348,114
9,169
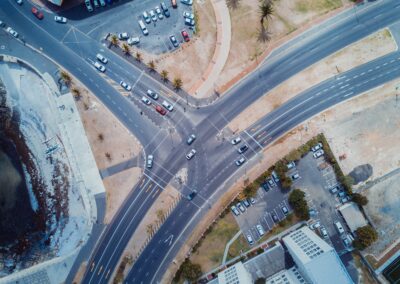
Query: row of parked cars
242,205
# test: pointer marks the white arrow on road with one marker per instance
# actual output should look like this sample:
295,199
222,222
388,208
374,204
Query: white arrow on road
170,238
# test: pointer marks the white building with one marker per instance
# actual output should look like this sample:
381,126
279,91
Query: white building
353,216
317,261
289,276
235,274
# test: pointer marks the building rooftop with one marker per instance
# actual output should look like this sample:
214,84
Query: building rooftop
353,216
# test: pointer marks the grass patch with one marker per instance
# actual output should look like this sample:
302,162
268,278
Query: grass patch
367,278
318,6
239,246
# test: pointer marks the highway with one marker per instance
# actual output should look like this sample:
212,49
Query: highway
213,169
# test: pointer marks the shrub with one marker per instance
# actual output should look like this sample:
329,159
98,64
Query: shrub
365,236
361,200
299,204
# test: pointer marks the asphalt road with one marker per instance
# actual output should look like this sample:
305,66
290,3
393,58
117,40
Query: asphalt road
211,174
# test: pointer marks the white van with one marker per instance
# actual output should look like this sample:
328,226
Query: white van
168,106
339,227
143,27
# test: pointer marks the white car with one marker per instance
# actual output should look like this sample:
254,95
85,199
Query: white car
290,165
149,162
133,40
146,100
102,3
260,230
152,94
187,2
153,16
146,17
191,139
240,161
188,15
159,14
12,32
324,232
249,239
316,147
101,58
99,67
189,22
61,20
125,86
19,2
318,154
235,211
191,154
168,106
295,176
123,36
236,140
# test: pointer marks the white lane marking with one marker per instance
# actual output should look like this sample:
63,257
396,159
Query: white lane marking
349,94
253,139
342,87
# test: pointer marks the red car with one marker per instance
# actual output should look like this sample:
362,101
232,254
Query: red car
161,110
37,13
185,35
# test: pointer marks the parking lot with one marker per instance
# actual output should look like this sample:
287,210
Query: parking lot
125,17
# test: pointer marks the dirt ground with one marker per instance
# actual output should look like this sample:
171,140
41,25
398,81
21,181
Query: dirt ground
81,272
365,50
288,16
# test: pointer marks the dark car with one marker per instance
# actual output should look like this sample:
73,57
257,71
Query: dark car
246,203
265,186
274,217
174,41
243,149
37,13
192,195
161,110
165,9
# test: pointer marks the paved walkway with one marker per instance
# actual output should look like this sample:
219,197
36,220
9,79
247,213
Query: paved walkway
124,165
228,245
206,85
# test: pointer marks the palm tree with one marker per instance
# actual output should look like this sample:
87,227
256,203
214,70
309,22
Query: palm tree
266,10
126,49
150,229
114,40
138,56
232,4
177,83
263,34
160,215
76,93
65,77
151,65
164,75
108,156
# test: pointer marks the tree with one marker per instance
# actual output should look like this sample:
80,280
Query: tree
114,40
164,75
250,190
263,35
365,236
360,199
126,49
294,155
66,77
108,156
266,10
150,229
152,65
100,136
76,93
177,83
232,4
138,56
299,204
160,215
190,271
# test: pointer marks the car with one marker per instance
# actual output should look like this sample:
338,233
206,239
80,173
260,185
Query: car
88,6
2,24
174,4
12,32
19,2
275,176
260,230
165,9
189,22
185,35
161,110
101,58
158,12
187,2
236,140
235,211
318,154
123,36
102,3
192,195
312,212
323,232
248,237
152,94
240,206
315,225
125,86
346,242
99,67
341,194
153,15
316,147
252,200
191,139
345,199
274,217
188,15
146,100
61,20
175,43
246,203
146,17
167,105
35,11
295,176
339,227
133,40
284,210
291,165
334,190
149,161
271,183
243,149
142,26
96,3
191,154
265,186
240,161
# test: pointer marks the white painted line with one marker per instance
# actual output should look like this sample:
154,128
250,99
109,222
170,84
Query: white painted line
253,139
342,87
349,94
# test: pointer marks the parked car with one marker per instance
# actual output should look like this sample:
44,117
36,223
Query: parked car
142,26
246,203
38,14
153,15
158,12
341,194
175,43
61,20
274,217
99,67
241,207
260,230
191,139
88,6
96,3
323,231
125,86
102,3
174,4
252,200
101,58
2,24
316,147
295,176
161,110
123,36
334,190
152,94
240,161
236,140
248,237
291,165
192,195
149,161
235,211
185,35
284,210
265,186
146,17
191,154
168,105
315,225
165,9
318,154
133,40
339,227
345,199
188,15
187,2
19,2
312,212
243,149
189,22
146,100
12,32
275,176
271,183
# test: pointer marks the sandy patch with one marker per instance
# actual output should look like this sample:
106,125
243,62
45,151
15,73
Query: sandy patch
363,51
118,187
81,272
